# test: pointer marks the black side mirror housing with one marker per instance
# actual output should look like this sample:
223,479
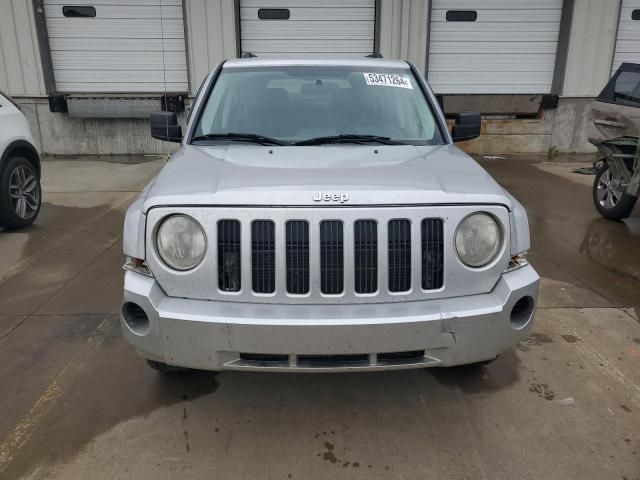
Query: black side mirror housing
466,127
164,126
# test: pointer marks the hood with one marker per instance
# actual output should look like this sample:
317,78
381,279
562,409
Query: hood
341,175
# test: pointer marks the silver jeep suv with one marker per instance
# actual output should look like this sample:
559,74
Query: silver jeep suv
317,217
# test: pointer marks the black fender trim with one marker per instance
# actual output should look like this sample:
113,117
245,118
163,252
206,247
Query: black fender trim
21,144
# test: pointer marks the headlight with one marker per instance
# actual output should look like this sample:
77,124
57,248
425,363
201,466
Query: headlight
181,242
478,239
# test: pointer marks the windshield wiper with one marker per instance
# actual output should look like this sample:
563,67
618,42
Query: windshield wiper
349,138
243,137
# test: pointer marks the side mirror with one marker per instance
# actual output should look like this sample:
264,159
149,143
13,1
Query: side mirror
466,127
164,126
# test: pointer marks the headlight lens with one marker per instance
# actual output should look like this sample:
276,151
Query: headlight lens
478,239
181,242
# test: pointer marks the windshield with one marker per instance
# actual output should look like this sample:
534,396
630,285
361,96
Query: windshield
299,103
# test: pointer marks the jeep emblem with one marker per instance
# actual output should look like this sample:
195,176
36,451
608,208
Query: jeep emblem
331,197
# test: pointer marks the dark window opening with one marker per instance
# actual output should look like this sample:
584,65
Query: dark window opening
274,14
79,11
462,15
627,88
635,15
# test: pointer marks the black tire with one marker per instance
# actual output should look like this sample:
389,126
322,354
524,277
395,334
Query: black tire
164,368
602,199
9,217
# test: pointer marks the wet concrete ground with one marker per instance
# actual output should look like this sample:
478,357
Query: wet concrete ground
76,402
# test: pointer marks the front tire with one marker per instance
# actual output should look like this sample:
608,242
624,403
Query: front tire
609,198
20,193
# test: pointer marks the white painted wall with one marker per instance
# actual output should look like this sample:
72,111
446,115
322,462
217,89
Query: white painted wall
20,66
211,36
591,45
403,30
627,47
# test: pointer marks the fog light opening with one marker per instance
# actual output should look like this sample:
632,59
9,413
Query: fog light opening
135,318
521,312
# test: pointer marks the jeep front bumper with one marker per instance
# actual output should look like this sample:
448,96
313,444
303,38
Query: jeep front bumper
213,335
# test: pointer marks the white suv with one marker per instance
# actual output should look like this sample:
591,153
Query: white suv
20,192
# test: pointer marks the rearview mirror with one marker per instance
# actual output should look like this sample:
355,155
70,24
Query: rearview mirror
164,126
465,127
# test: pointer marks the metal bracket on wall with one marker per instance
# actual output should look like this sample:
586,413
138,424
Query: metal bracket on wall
172,103
58,104
114,105
549,101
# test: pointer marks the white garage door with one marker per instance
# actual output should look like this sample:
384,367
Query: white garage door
289,28
117,46
493,46
628,39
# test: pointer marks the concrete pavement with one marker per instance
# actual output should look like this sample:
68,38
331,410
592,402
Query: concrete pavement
78,403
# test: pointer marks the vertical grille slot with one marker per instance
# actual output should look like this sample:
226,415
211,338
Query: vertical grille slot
432,254
297,256
365,238
331,257
399,255
263,256
229,255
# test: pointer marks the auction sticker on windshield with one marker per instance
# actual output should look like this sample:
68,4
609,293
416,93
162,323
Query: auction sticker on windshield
388,80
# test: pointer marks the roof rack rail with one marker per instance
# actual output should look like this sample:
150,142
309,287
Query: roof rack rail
248,55
375,55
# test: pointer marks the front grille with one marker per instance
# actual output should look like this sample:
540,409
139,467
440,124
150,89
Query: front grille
229,255
329,360
365,251
263,256
432,252
400,356
331,257
399,255
264,357
322,362
297,255
376,256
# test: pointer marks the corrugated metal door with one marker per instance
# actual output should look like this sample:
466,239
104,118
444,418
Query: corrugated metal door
288,28
628,38
117,46
493,46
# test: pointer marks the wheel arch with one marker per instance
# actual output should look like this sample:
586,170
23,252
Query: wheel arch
22,148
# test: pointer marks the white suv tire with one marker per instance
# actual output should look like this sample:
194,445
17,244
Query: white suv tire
20,193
